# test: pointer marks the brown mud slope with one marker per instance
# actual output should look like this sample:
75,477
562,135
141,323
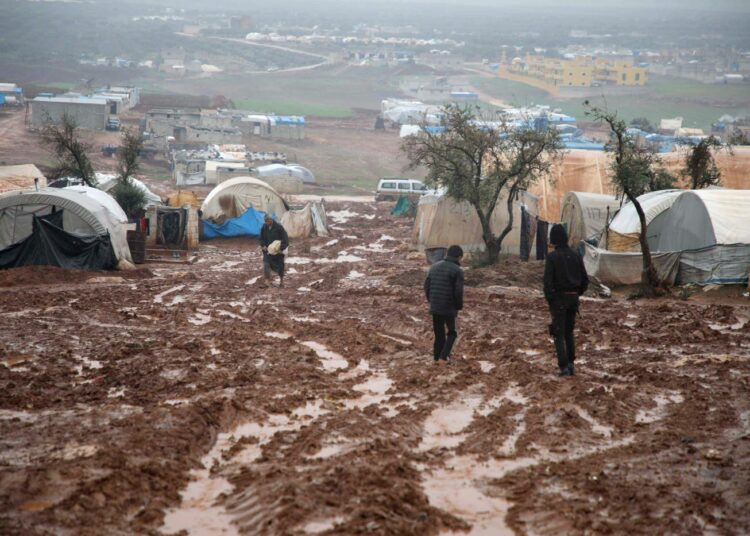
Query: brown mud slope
197,400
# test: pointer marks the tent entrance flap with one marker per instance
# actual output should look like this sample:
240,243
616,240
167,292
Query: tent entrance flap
50,245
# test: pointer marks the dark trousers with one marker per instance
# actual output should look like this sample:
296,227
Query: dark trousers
273,263
563,309
443,346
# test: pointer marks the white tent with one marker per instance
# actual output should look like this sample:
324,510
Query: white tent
232,198
302,172
586,214
625,227
705,234
82,215
283,178
107,182
103,199
703,218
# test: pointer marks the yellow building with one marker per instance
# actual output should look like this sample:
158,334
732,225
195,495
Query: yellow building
581,71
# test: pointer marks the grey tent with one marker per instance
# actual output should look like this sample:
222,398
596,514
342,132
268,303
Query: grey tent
82,216
586,214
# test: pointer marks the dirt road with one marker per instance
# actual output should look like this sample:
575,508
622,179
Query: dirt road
190,398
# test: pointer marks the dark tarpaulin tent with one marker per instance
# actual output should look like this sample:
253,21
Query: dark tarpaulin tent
50,245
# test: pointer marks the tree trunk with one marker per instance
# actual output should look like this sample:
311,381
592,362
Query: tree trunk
649,278
509,227
489,240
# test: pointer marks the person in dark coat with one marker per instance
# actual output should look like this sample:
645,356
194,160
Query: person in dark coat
444,288
269,233
565,279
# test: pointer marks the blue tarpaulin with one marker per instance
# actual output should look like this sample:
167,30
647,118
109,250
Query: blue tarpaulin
248,224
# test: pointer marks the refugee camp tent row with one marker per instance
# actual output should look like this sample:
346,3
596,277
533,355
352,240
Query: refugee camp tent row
696,236
236,208
442,221
63,228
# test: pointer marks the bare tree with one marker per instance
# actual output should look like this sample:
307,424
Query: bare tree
636,170
70,150
700,166
477,161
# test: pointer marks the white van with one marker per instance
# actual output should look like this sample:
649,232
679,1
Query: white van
393,188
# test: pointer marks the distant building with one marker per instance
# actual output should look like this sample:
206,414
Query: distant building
11,94
191,125
580,71
88,112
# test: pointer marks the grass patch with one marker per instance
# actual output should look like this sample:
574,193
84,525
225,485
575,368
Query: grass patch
699,104
324,92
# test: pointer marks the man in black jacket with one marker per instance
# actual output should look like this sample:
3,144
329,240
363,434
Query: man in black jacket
273,261
444,288
565,279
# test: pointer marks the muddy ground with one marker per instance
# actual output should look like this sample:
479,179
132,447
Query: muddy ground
190,398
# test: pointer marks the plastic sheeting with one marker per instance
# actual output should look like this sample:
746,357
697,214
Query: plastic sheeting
717,265
624,268
50,245
308,221
248,224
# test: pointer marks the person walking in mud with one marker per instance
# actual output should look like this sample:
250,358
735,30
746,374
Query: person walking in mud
565,279
444,288
273,242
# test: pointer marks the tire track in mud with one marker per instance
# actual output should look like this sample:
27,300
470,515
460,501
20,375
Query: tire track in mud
210,399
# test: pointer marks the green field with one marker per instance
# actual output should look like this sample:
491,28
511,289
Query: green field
699,104
321,92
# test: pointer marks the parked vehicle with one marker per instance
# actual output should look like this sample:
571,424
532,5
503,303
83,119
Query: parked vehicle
113,123
390,189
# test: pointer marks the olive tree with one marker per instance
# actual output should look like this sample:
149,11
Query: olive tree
70,150
700,168
477,161
636,170
126,193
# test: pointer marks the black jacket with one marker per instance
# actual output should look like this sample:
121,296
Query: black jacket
444,287
273,233
564,272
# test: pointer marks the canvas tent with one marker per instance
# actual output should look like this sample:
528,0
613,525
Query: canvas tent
307,221
13,178
61,228
107,182
585,214
706,231
307,176
232,198
104,199
287,170
442,221
625,227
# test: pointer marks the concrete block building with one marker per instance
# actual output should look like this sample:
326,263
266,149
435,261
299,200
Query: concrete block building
89,112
